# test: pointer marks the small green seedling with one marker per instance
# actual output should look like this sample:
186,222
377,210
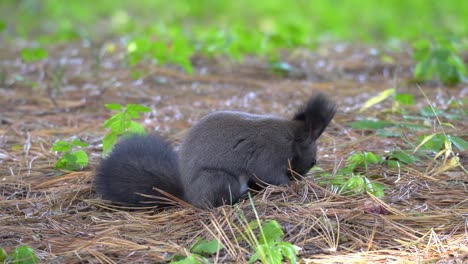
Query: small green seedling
200,250
72,159
21,255
271,248
121,124
348,181
34,54
439,61
268,242
442,144
175,49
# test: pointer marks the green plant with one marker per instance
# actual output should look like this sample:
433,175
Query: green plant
71,160
348,180
121,123
268,242
174,49
21,255
270,247
439,60
34,54
199,250
3,255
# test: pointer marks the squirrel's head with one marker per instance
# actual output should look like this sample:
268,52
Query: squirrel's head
310,122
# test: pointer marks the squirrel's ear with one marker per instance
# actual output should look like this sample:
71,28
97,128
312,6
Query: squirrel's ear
316,114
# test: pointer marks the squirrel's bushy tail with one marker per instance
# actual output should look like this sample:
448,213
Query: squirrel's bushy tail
136,166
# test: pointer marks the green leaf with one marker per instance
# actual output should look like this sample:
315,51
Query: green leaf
116,107
254,257
370,124
24,255
136,108
405,98
460,143
422,50
61,146
428,111
412,126
274,256
3,255
355,183
289,251
432,142
272,232
387,133
377,189
377,99
192,259
34,54
108,142
117,123
3,26
403,157
371,158
206,247
79,143
81,158
136,128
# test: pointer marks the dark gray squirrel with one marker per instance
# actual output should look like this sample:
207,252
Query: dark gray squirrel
221,156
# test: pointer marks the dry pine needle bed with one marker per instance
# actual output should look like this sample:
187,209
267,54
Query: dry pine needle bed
422,217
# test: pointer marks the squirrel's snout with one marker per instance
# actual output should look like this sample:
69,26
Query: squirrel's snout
312,162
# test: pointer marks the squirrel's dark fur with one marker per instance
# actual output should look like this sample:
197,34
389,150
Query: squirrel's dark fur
221,156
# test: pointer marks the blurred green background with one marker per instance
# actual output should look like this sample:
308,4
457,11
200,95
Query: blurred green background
285,22
172,31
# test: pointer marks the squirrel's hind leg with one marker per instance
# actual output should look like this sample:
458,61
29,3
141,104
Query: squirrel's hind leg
215,187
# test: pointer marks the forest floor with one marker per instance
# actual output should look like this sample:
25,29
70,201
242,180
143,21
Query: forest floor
422,217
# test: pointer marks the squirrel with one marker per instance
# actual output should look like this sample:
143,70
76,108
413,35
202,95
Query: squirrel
223,155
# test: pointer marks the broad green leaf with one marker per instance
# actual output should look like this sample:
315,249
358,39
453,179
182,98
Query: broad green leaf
81,158
403,157
116,107
108,142
387,133
370,124
79,143
460,143
24,255
404,98
113,121
412,126
206,247
3,255
424,70
138,108
254,257
421,49
377,99
424,141
458,63
136,128
192,259
61,146
33,54
371,158
3,26
272,232
377,189
274,256
289,251
356,184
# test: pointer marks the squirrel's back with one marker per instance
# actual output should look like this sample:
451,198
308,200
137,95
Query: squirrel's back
135,166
